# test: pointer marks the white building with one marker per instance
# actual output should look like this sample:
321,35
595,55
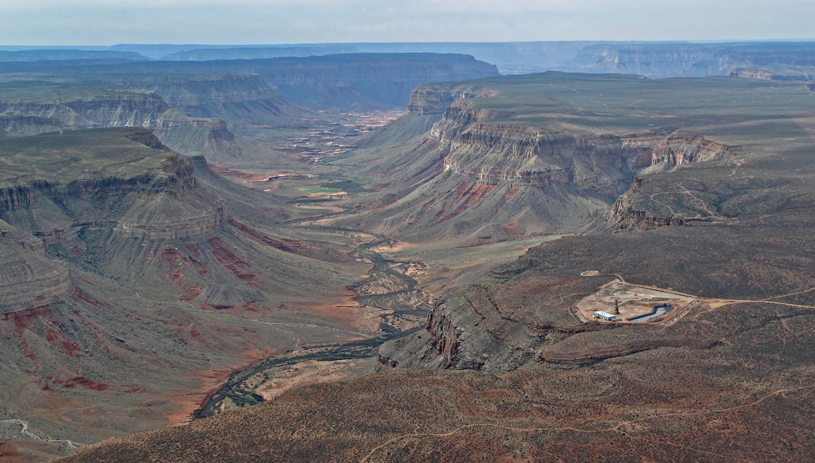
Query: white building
605,316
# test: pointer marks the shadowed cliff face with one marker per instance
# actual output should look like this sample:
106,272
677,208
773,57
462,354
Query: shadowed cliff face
156,196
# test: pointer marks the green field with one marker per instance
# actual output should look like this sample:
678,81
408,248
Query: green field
318,190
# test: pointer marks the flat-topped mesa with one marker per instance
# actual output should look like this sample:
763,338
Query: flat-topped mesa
146,190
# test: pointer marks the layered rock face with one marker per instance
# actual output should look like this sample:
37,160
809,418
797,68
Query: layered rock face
102,108
177,208
433,100
28,278
24,111
524,155
159,202
497,166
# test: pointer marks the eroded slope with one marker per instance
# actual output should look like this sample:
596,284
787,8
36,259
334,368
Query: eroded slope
130,288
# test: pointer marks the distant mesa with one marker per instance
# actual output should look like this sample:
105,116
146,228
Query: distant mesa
67,54
207,54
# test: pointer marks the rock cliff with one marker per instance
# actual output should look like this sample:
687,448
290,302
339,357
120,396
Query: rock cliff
359,81
83,107
160,200
521,156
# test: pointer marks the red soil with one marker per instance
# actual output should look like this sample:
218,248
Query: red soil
80,295
229,260
470,197
82,382
41,320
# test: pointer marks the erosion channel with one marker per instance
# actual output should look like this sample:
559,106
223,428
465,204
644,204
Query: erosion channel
390,288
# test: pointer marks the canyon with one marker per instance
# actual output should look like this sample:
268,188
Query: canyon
212,244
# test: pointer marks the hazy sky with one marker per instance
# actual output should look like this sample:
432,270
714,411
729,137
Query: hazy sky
107,22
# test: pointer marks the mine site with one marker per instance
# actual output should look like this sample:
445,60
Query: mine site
417,232
621,302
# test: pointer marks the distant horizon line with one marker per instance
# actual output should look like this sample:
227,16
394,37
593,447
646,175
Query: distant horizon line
258,45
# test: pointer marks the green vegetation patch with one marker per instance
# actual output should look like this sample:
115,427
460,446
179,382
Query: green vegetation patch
317,189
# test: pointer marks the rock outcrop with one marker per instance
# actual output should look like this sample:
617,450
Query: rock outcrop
779,73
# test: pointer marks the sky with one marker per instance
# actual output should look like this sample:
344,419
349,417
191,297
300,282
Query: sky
106,22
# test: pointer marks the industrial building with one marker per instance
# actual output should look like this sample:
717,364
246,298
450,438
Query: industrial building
605,316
